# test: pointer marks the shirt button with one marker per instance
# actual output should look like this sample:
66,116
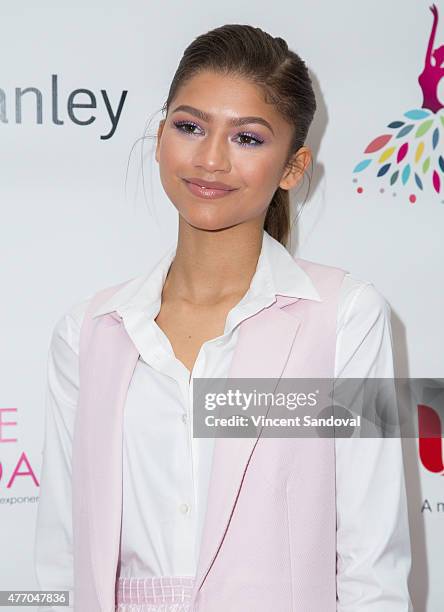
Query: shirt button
184,418
184,508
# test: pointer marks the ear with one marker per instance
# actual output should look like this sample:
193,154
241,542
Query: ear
159,135
295,168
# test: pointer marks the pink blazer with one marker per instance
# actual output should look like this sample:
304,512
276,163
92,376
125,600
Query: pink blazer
269,538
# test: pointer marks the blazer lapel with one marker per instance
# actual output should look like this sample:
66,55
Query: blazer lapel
262,350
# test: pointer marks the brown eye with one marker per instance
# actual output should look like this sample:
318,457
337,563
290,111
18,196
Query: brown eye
256,140
182,124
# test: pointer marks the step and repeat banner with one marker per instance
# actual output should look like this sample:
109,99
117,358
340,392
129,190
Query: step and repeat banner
82,206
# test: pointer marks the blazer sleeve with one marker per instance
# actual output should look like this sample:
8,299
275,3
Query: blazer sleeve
53,551
373,538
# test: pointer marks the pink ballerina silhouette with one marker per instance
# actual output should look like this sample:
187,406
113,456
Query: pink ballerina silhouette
410,152
432,74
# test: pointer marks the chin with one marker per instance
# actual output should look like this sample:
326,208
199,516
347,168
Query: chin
209,226
210,222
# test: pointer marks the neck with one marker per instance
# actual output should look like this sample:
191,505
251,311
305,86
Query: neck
211,266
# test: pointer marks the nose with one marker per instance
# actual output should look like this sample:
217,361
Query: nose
212,153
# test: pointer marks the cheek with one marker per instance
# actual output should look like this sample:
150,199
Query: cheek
173,164
259,171
171,155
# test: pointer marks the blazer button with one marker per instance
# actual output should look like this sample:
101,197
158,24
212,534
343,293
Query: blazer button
184,418
184,508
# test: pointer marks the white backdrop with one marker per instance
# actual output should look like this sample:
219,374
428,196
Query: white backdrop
69,227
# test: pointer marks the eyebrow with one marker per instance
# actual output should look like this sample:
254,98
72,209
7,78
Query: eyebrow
233,122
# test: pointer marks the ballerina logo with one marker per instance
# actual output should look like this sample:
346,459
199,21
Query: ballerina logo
408,155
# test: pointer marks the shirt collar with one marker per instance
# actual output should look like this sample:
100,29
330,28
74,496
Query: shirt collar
277,273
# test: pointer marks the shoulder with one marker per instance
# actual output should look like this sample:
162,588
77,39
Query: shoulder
310,265
360,301
364,347
356,296
66,330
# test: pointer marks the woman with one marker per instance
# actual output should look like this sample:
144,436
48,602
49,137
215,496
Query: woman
162,520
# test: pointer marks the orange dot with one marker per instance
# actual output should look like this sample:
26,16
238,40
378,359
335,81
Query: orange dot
412,198
359,190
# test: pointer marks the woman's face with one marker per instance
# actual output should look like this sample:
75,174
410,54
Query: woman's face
197,142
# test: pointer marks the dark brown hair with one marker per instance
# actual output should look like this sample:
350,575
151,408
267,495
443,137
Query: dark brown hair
251,53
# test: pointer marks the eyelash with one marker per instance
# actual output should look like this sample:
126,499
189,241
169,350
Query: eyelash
259,141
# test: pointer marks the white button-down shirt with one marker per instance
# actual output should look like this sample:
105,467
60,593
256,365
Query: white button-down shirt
166,471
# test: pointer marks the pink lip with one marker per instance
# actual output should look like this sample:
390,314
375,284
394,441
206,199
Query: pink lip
208,184
207,193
